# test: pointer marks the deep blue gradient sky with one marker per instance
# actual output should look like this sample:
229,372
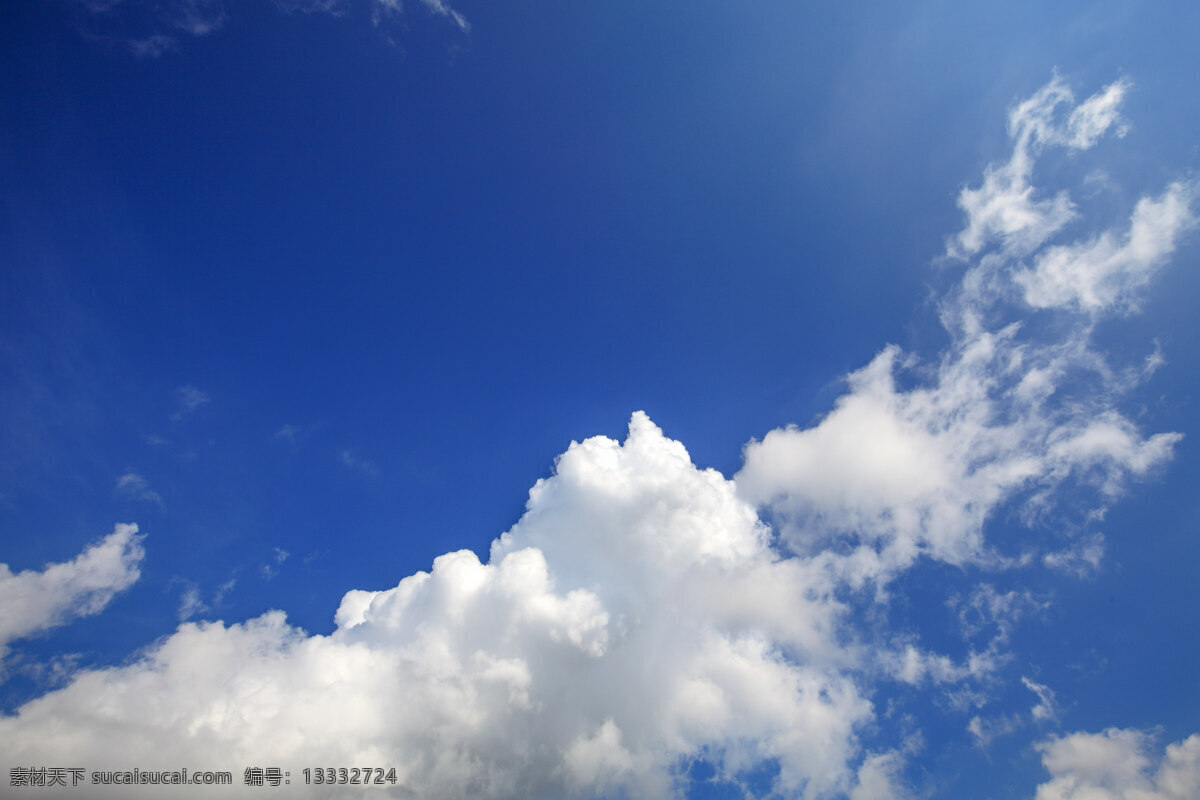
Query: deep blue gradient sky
399,267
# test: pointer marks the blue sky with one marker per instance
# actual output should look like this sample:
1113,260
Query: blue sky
315,293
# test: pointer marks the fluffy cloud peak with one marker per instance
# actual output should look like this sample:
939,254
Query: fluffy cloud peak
1117,765
636,617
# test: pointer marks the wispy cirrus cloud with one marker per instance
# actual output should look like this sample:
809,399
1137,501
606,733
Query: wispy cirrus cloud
152,29
1104,273
898,474
135,486
1046,709
334,7
438,7
270,569
153,46
351,460
1006,208
190,603
187,400
287,433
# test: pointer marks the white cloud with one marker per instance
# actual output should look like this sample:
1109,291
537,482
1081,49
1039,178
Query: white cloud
891,474
983,610
640,615
134,485
190,603
634,618
32,601
1094,116
1116,765
984,730
223,590
152,46
287,433
1046,709
334,7
197,17
1006,208
188,399
439,7
98,6
1082,558
270,570
351,461
161,25
880,778
916,667
986,608
1107,271
915,459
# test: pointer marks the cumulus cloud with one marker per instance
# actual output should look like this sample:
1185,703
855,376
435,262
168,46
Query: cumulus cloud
1117,765
634,618
32,601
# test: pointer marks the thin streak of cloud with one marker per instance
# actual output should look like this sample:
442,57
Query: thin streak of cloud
365,466
135,486
1046,709
332,7
223,591
151,30
153,46
190,603
188,399
287,433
